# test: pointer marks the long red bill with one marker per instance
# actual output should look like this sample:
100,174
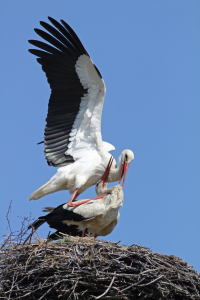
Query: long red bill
123,173
106,173
126,165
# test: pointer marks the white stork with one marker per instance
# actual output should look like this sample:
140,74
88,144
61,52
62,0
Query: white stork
72,136
98,218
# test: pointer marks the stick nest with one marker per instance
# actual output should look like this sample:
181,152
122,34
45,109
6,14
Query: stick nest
92,269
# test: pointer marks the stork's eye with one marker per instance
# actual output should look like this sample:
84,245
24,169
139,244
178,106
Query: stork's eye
126,157
97,183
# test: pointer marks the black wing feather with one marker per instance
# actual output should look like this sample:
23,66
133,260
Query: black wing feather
55,220
58,62
72,230
59,36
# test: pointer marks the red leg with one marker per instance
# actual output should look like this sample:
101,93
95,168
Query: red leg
95,236
84,201
73,197
83,233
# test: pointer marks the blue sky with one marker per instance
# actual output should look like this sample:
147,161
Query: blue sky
148,53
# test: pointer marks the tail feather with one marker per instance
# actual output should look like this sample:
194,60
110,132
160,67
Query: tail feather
37,223
42,191
48,209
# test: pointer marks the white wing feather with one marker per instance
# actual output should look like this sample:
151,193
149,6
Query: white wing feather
85,137
108,147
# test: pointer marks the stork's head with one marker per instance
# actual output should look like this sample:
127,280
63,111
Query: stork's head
100,187
126,158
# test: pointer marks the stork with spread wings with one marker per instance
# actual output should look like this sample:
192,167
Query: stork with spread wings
72,137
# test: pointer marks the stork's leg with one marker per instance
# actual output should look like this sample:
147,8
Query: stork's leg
95,236
84,201
83,233
73,197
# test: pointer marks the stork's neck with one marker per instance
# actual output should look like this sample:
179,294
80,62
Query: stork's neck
103,190
115,172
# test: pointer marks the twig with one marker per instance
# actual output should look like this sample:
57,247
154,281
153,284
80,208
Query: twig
130,286
49,290
145,284
99,297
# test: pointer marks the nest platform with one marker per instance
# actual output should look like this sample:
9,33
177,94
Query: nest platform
84,268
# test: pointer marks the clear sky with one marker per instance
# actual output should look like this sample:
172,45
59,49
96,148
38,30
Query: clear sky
148,53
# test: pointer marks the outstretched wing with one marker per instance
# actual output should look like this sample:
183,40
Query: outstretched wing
73,123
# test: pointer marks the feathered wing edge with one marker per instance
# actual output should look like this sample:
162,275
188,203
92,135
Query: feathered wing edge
77,93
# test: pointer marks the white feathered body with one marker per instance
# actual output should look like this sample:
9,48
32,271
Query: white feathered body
78,174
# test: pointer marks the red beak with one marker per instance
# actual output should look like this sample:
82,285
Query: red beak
124,170
106,173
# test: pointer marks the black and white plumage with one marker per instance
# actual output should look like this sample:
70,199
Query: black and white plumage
72,137
98,217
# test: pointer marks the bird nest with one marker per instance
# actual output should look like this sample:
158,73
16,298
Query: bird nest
85,268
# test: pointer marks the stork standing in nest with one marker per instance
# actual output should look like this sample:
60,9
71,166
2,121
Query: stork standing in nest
72,137
95,217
